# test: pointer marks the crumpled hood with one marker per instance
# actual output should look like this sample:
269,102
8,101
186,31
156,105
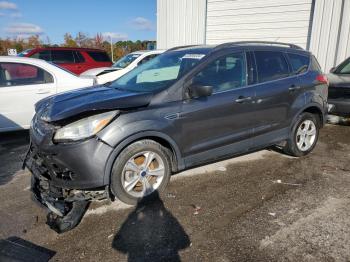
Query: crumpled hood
69,104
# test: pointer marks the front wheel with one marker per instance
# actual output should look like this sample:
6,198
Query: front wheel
304,135
141,169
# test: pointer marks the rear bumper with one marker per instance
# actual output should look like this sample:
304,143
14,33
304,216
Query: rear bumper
339,106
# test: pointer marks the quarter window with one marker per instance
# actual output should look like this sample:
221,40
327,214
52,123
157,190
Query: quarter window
271,66
225,73
99,56
17,74
299,63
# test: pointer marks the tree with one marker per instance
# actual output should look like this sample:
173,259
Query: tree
34,41
69,41
99,41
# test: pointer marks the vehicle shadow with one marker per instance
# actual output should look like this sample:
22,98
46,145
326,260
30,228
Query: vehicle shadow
13,146
151,233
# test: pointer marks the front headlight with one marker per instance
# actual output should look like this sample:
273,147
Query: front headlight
84,128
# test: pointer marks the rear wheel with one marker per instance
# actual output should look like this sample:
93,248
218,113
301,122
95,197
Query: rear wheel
141,169
304,135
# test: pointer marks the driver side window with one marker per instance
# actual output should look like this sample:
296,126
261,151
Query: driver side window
225,73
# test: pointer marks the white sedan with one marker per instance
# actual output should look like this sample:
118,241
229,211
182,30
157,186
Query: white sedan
24,81
122,66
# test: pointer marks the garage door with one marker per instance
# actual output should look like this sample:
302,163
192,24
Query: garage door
268,20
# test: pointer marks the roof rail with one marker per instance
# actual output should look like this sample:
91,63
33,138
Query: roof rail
260,42
179,47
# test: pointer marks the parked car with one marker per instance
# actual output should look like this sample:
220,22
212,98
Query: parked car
76,60
339,89
122,66
24,81
187,107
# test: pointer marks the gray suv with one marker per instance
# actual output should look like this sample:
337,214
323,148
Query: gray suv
189,106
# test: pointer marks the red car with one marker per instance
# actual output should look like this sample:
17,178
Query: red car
76,60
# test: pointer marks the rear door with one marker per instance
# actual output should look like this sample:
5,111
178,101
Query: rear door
65,59
221,124
276,90
21,86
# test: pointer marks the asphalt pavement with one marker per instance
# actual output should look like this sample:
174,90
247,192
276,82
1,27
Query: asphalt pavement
264,206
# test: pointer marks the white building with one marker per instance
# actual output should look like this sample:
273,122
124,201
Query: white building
321,26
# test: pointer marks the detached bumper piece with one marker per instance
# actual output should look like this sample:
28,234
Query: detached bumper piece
339,106
65,213
66,206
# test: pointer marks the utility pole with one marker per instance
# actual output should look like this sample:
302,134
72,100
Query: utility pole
110,37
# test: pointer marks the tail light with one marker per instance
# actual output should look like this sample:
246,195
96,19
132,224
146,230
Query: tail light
322,79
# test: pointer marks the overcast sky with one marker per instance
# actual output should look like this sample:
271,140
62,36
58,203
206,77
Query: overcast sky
121,19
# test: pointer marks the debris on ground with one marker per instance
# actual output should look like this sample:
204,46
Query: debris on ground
222,168
272,214
196,209
284,183
170,195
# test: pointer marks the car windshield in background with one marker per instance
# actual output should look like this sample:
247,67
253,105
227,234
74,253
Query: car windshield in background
24,53
344,68
160,72
125,61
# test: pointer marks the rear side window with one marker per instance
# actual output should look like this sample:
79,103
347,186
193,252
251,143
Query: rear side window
299,63
78,57
62,56
271,65
99,56
17,74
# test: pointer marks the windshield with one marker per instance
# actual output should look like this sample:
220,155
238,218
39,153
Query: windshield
25,52
160,72
344,68
125,61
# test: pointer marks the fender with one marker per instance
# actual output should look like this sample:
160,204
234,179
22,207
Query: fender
135,137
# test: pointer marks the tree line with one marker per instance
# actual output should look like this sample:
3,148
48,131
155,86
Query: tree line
120,48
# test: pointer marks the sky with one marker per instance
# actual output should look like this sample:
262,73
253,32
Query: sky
51,19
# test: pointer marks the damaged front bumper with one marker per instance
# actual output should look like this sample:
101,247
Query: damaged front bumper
67,206
65,178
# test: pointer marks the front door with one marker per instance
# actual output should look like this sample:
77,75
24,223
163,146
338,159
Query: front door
221,124
21,86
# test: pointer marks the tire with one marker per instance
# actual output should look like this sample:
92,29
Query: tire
295,145
130,171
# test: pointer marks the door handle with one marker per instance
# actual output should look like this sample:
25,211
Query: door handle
43,91
242,99
294,88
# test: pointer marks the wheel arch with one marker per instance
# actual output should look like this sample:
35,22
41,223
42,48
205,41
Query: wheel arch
313,108
177,162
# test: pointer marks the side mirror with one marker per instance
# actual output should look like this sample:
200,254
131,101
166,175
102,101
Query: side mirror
332,70
198,90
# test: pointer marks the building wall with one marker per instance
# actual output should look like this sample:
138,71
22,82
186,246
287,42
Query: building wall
269,20
180,22
322,26
330,41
